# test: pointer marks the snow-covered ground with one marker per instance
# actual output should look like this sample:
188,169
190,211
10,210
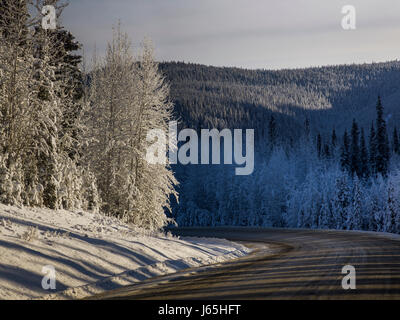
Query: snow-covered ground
91,253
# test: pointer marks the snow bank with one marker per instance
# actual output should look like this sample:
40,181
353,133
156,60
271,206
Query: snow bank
91,253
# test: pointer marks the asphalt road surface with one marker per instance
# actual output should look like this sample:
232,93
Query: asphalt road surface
285,264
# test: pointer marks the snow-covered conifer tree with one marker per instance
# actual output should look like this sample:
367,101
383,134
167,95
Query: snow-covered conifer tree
342,201
354,217
35,145
392,214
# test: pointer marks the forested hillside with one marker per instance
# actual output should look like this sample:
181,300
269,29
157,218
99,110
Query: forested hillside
327,154
329,96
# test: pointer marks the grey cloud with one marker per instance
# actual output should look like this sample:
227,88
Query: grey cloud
244,33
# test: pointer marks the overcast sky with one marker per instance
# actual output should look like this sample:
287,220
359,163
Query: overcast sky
270,34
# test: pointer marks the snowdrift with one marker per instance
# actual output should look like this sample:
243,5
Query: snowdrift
91,253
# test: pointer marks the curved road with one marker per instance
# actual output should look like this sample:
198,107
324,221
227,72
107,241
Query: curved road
285,264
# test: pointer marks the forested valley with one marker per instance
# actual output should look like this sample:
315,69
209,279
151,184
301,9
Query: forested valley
327,146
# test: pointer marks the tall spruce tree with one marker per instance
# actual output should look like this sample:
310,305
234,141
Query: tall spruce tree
307,129
333,144
354,218
396,144
382,143
345,153
334,139
327,152
372,150
355,165
319,145
364,161
272,133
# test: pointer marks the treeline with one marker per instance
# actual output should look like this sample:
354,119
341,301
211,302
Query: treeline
76,140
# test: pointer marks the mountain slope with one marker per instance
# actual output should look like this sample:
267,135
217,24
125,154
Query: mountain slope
329,96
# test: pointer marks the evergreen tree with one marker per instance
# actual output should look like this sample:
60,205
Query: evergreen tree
326,217
319,145
355,166
33,97
16,73
392,207
364,160
69,72
272,133
382,146
396,144
327,152
334,143
62,173
354,219
372,150
307,129
345,154
334,139
342,201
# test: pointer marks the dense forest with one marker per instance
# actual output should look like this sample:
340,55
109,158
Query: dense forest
327,149
330,97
